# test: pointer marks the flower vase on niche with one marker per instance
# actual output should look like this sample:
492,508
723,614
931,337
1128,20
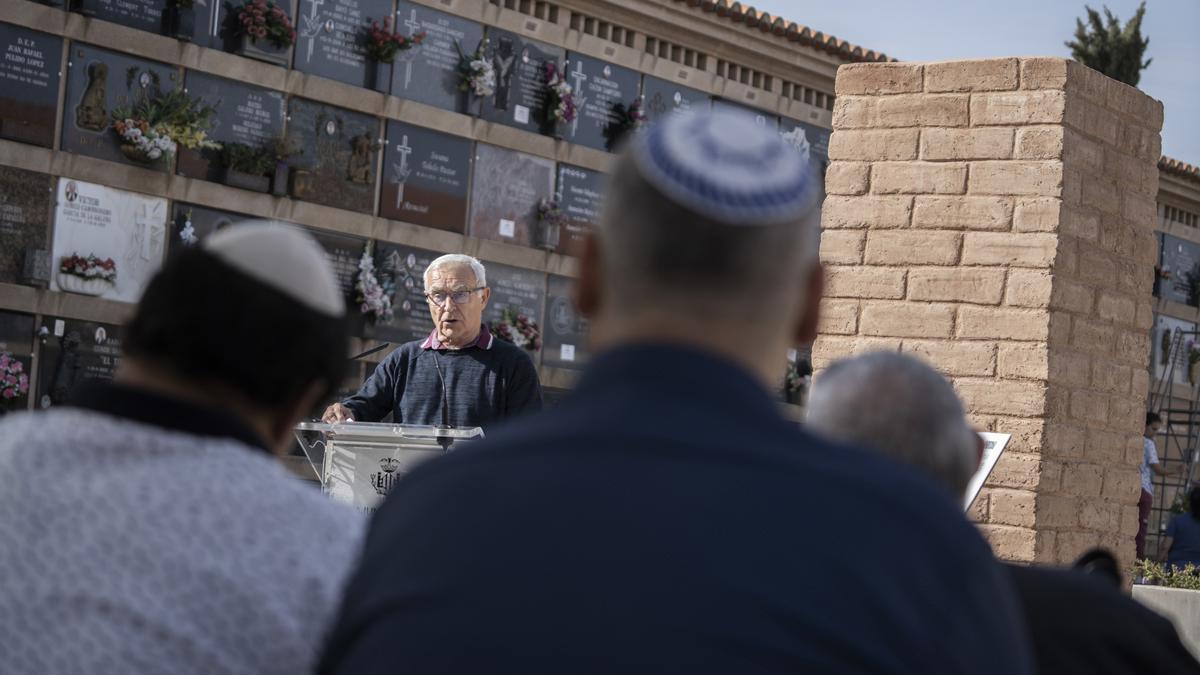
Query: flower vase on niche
87,275
560,100
383,45
244,166
550,223
158,122
264,31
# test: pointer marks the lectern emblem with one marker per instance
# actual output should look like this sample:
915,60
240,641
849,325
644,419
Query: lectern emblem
383,480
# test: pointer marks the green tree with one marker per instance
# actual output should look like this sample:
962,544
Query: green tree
1110,48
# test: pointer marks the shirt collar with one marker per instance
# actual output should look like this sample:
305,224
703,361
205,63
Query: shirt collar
139,405
484,341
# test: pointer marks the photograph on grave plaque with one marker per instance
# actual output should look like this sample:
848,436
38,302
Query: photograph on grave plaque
1181,371
601,91
520,96
516,293
101,83
147,15
565,334
505,190
330,38
338,165
401,270
26,198
580,196
663,97
72,352
811,141
29,76
425,177
107,242
1181,267
245,116
428,73
760,117
16,360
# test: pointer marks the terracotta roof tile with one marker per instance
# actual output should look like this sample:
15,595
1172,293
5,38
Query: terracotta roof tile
1179,168
788,30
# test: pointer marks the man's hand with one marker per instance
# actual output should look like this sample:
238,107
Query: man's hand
337,413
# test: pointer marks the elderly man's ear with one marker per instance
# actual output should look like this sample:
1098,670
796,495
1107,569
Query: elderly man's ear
810,315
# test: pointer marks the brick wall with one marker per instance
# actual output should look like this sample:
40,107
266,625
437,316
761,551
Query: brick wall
995,218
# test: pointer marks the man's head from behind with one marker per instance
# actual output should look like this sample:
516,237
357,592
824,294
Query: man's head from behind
252,320
709,228
457,293
901,407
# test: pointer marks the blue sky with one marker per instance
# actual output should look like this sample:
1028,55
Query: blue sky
928,30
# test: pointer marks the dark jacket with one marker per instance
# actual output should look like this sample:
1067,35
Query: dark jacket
666,519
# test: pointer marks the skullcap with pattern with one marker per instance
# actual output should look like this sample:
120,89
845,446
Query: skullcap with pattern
724,166
283,257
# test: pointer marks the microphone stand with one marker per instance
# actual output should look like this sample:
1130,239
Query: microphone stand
443,441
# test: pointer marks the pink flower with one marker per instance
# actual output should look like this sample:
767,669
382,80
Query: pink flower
9,393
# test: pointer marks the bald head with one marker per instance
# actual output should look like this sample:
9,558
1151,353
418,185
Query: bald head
899,406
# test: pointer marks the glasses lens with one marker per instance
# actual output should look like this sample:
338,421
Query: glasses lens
437,297
461,297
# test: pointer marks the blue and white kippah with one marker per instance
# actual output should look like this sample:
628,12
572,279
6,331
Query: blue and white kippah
724,166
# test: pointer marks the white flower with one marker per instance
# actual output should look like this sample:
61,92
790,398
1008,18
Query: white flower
154,153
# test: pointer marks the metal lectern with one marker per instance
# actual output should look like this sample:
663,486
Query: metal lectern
358,462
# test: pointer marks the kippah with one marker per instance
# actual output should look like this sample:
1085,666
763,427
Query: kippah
724,166
283,257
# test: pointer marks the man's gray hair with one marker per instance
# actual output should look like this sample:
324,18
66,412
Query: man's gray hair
455,260
897,405
660,254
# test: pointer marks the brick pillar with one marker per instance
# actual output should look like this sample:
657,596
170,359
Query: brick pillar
994,217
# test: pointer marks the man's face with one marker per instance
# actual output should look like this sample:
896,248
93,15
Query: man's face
1152,429
457,324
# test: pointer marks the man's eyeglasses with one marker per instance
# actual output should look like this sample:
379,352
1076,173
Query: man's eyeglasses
459,297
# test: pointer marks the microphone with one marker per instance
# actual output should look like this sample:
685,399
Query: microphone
443,441
370,351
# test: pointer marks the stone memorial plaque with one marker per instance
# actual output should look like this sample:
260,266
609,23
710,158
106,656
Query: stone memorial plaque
1162,353
564,343
329,38
598,88
99,81
520,97
580,197
428,73
338,165
812,142
190,223
1181,262
344,253
663,98
26,198
760,117
505,192
403,269
16,344
125,227
141,14
245,114
29,76
520,290
74,352
425,176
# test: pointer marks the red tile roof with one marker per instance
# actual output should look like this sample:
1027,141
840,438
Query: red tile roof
1179,168
788,30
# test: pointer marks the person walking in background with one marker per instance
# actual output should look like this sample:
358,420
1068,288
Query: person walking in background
665,517
147,527
1180,545
903,408
1150,468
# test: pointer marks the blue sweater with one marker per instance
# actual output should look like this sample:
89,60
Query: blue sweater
665,518
482,386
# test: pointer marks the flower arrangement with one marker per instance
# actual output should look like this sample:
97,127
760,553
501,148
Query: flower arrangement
519,330
248,159
551,219
796,381
1157,574
158,122
629,118
383,44
476,74
90,267
14,382
560,100
187,234
264,20
374,298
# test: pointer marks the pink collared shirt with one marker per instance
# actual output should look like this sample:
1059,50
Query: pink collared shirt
484,341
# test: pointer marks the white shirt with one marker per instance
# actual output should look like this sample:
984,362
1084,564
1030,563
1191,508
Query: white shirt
1149,456
131,548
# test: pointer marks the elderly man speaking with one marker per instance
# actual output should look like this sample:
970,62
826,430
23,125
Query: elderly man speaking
460,375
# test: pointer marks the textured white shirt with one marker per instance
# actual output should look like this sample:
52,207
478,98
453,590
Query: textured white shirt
131,548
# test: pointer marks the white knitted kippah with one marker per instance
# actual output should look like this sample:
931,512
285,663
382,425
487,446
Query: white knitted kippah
724,166
283,257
